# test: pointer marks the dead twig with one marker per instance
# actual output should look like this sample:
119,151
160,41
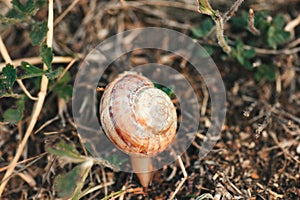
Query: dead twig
182,180
37,108
252,28
232,10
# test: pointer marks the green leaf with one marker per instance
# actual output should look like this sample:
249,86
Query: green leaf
278,21
29,71
265,72
65,184
18,5
30,8
52,74
168,90
70,185
14,115
204,29
67,151
243,56
38,33
10,74
46,54
250,53
240,22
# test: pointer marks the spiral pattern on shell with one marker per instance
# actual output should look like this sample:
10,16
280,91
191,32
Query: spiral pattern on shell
138,118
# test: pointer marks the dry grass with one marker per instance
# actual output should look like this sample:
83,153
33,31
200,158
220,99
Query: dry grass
256,158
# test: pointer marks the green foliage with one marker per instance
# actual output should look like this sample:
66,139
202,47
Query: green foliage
38,33
69,185
7,79
272,29
46,54
63,89
66,151
22,11
272,35
243,56
203,29
265,71
168,90
276,34
31,71
14,115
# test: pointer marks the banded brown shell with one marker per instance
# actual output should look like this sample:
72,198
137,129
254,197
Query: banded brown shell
138,118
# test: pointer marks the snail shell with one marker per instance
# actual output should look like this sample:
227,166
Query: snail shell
138,118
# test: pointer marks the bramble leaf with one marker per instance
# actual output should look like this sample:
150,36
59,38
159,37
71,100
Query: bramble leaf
30,71
18,6
10,75
46,54
38,33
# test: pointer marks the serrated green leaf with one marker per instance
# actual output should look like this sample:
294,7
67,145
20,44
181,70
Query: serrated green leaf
30,71
46,54
204,29
13,116
10,75
27,9
53,74
30,8
18,5
38,33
